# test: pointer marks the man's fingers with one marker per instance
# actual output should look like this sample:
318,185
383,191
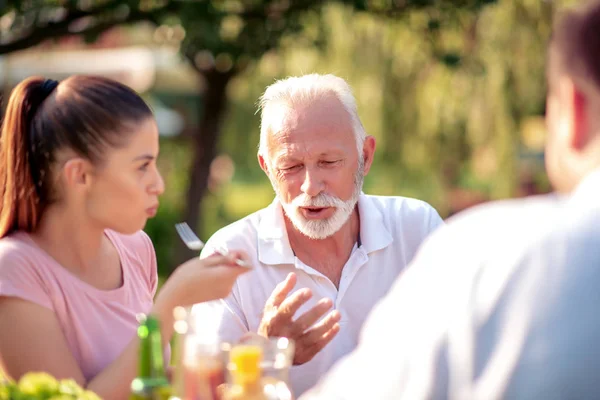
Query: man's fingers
282,290
239,255
325,338
320,329
288,308
307,319
309,347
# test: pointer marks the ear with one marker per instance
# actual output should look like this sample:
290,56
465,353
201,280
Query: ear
77,172
368,152
581,132
263,164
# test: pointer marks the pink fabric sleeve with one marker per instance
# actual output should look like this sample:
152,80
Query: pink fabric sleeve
20,274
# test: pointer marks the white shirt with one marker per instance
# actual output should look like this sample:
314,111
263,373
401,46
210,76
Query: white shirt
391,230
502,302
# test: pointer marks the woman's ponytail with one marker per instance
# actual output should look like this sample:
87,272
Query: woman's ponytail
20,203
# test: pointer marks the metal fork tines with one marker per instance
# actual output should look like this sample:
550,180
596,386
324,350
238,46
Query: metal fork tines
193,242
188,236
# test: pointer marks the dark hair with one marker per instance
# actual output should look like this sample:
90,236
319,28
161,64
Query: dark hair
575,44
86,114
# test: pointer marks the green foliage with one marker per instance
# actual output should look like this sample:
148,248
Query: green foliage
42,386
448,102
227,34
449,88
173,164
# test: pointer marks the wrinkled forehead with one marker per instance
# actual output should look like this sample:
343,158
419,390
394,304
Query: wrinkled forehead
322,121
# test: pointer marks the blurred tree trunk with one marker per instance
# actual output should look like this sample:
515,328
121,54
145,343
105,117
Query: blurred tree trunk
204,147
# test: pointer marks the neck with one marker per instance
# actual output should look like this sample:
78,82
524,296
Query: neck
328,253
70,239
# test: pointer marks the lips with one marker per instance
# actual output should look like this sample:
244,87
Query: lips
315,212
152,210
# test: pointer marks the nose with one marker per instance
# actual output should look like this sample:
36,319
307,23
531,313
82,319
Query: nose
313,183
158,187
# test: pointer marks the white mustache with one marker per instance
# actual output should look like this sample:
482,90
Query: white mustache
321,200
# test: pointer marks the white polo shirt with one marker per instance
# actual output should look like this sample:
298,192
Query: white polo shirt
391,230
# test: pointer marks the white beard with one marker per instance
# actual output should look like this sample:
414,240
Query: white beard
321,229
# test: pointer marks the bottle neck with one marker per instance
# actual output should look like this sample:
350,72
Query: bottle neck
151,362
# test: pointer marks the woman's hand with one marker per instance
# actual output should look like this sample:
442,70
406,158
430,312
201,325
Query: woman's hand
196,281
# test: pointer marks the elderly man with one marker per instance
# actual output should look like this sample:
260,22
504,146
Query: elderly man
340,248
502,302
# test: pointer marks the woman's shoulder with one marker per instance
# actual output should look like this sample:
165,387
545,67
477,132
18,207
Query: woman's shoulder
24,270
17,247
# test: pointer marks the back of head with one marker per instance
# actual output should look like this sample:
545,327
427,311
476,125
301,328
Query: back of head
573,101
83,114
575,45
301,91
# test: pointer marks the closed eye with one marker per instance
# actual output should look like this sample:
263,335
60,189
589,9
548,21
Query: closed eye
291,168
144,166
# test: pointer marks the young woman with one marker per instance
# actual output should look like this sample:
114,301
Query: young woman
78,181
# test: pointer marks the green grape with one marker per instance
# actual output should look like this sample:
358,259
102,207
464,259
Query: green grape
42,386
4,391
70,387
18,395
38,383
89,395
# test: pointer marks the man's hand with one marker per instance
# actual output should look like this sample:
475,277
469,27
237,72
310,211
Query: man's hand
309,337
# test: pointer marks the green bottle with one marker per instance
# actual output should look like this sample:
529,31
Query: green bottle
151,382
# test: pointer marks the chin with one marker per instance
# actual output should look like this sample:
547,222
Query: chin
129,229
318,229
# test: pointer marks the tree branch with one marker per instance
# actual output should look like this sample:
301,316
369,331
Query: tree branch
279,10
37,34
400,8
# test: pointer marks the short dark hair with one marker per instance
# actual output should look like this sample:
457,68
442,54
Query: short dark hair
575,44
86,114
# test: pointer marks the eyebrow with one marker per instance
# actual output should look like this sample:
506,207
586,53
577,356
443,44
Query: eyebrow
291,159
285,159
332,153
146,157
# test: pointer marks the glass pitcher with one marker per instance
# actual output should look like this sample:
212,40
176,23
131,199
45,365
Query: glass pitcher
200,361
202,367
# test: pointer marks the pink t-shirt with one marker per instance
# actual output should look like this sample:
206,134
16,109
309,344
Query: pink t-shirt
98,324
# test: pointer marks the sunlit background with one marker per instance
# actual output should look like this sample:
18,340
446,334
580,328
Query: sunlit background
454,92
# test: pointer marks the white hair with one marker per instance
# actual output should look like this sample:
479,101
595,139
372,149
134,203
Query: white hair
301,90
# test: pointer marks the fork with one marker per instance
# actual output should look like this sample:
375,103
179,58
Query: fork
193,242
